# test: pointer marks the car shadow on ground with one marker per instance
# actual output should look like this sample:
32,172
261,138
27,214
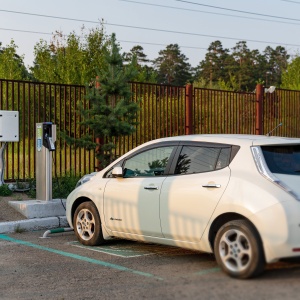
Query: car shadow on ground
284,269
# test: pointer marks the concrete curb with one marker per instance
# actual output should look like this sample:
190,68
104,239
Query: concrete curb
34,224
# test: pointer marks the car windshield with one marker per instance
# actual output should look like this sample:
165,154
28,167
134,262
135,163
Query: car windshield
283,159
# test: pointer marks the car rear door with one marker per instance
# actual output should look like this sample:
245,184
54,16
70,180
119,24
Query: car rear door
189,197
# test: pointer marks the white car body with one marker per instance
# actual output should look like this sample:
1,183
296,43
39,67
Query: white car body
183,210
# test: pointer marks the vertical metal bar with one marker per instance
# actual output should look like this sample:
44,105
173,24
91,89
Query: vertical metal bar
226,111
29,130
65,128
259,109
56,154
44,108
167,132
13,144
49,118
6,154
75,128
1,94
158,111
188,109
70,127
162,109
38,119
211,110
196,110
237,114
7,87
18,144
86,158
216,99
34,121
176,110
23,130
171,111
153,109
149,112
137,140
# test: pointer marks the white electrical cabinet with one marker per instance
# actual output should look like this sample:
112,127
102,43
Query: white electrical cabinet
9,126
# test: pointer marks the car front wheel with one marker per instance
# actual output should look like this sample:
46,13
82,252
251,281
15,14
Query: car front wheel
238,250
87,224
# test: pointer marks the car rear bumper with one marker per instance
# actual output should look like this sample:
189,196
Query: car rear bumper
279,228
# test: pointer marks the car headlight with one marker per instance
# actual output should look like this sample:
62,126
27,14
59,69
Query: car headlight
85,179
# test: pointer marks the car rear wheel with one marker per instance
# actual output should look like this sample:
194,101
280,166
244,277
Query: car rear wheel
87,224
238,250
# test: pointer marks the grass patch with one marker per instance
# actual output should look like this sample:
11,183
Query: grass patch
5,191
61,187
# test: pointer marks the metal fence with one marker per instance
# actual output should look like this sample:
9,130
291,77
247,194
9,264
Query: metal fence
40,102
164,111
218,111
161,114
282,107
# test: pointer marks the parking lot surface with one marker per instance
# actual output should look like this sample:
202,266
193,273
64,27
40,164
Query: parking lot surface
60,268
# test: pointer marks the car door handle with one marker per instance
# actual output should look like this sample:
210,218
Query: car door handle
150,187
211,186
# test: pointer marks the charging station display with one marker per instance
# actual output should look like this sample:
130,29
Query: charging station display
39,137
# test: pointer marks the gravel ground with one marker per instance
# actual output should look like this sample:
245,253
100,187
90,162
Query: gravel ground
8,213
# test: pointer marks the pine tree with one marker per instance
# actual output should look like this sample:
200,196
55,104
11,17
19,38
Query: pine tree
172,66
112,113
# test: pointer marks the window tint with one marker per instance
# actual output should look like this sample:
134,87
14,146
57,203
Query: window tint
149,163
193,159
282,159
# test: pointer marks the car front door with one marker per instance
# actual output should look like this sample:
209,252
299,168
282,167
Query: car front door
189,197
131,203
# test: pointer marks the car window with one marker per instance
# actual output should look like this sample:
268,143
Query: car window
194,159
148,163
223,159
283,159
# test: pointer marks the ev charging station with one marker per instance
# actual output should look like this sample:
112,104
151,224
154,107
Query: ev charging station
51,210
45,139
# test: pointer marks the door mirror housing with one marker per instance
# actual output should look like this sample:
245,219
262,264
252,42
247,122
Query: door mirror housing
117,172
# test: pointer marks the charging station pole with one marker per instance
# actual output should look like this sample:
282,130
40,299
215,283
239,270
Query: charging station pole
45,138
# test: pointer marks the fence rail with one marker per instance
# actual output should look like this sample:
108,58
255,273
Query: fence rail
164,111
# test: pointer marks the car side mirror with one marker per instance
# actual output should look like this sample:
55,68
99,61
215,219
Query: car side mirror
117,172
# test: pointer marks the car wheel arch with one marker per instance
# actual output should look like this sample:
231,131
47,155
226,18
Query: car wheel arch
76,203
220,221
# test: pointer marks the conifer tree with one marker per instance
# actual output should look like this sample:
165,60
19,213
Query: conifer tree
112,113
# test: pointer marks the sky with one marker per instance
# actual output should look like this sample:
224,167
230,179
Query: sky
154,24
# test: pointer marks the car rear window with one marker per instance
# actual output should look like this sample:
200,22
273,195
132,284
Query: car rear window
283,159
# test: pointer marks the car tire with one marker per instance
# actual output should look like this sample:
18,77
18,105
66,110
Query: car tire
87,224
238,250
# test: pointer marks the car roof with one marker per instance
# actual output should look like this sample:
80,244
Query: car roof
234,139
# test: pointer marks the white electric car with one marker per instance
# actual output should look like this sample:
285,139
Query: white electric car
237,196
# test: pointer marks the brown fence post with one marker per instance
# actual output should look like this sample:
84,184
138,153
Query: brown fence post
189,109
259,109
